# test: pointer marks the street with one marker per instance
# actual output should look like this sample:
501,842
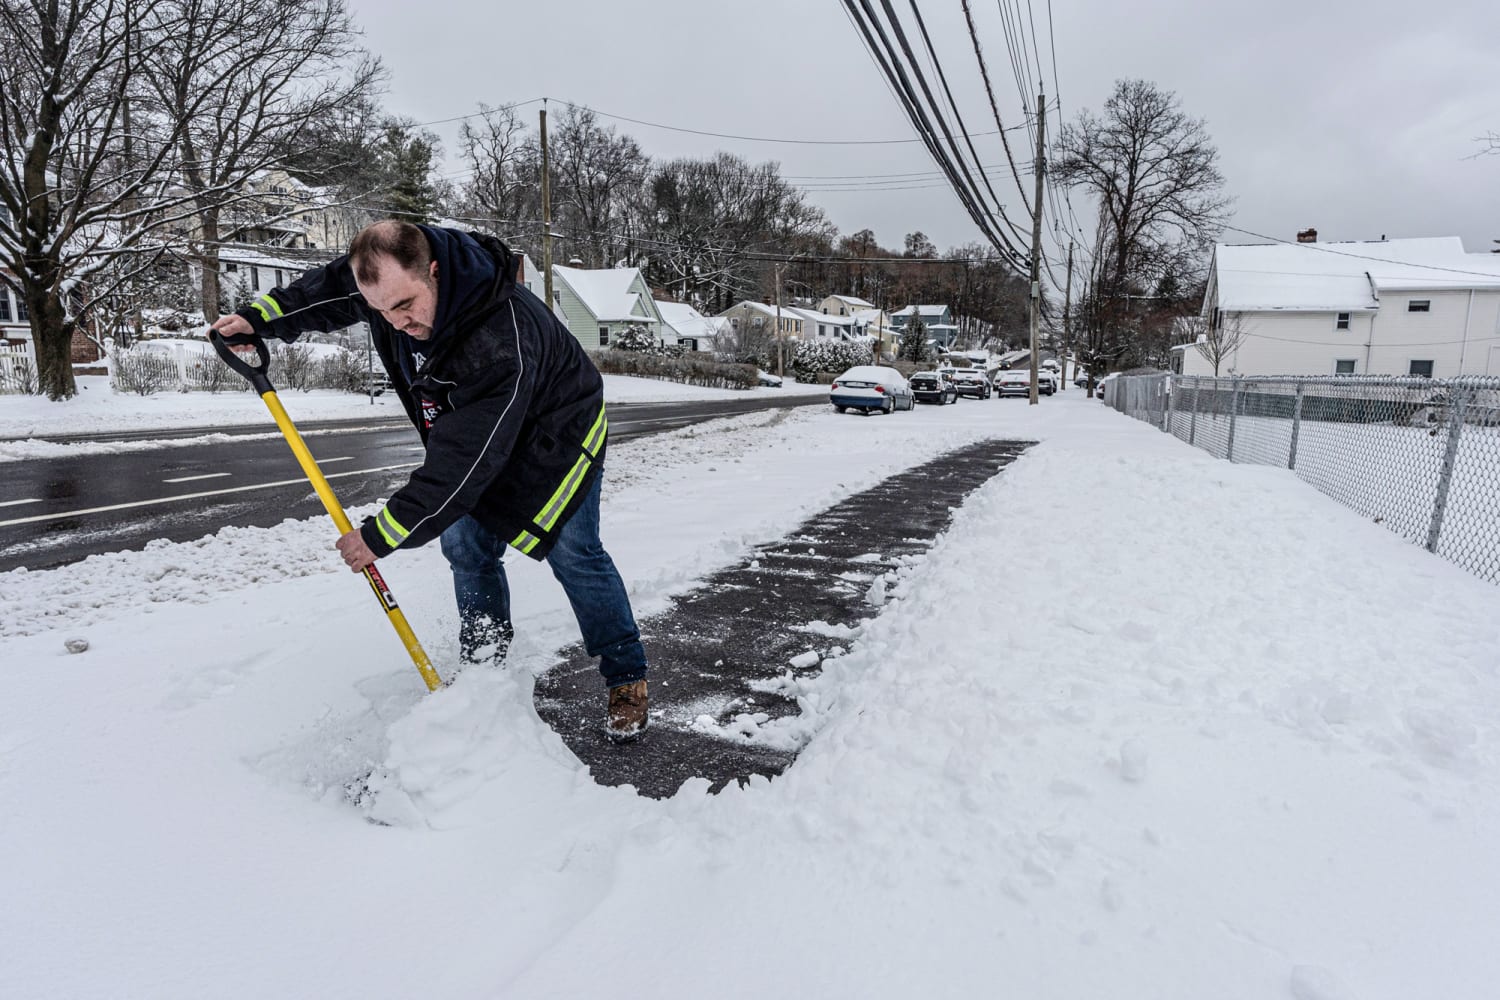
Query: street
60,510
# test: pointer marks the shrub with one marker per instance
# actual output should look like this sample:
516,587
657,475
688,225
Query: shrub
635,338
828,356
293,366
687,370
143,372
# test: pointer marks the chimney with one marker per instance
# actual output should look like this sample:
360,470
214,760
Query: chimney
1307,236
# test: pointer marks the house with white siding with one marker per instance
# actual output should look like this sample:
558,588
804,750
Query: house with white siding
246,272
1377,307
597,305
843,305
689,328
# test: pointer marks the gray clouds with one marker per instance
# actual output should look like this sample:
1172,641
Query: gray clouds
1356,118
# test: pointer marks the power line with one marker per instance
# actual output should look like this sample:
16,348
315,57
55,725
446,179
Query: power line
751,138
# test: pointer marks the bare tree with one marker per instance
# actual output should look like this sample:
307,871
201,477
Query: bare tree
242,85
84,183
1218,339
596,167
1153,172
505,157
711,223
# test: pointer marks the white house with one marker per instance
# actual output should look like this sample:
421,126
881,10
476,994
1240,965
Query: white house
248,271
818,325
1380,307
688,327
598,304
843,305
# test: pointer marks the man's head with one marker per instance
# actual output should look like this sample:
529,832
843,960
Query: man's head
397,276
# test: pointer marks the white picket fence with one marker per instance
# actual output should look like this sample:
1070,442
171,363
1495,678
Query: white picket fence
18,368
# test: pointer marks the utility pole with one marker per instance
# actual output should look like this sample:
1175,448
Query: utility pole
780,349
1036,239
1067,321
546,210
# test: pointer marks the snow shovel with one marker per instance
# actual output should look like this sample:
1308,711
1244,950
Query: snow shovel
256,374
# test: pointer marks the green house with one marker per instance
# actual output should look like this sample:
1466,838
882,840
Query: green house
598,306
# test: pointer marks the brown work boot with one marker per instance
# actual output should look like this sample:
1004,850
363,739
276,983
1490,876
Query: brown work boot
627,711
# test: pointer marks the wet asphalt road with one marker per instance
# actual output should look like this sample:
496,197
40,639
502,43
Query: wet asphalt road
715,651
57,511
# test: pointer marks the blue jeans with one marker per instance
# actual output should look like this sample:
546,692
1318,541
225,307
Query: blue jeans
580,564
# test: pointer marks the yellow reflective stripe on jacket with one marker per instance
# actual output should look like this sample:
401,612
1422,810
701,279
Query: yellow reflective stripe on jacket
525,541
554,507
262,310
390,529
266,300
595,436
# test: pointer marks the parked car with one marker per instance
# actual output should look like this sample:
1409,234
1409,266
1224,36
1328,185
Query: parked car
1082,381
933,387
1014,382
1017,382
971,382
768,380
871,389
1099,385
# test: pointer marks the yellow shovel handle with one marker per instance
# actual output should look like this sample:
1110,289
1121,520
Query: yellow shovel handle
341,520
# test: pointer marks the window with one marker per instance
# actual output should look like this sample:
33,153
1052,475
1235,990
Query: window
279,280
1422,368
22,316
4,305
1418,305
231,268
1344,367
255,279
1342,323
603,336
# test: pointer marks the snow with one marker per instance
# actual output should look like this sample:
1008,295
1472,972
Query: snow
688,322
1089,747
606,292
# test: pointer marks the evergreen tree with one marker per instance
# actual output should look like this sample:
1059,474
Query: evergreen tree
914,340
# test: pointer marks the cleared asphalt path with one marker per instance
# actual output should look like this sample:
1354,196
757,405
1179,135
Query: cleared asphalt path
717,653
59,510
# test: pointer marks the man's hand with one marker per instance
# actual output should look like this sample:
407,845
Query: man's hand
356,553
234,323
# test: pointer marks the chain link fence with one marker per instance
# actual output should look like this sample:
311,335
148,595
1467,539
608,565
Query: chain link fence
1420,456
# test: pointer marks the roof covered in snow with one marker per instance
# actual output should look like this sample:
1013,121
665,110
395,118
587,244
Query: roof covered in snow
608,293
687,321
1317,277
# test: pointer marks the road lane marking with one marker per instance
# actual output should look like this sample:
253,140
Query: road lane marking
15,503
341,458
189,479
194,496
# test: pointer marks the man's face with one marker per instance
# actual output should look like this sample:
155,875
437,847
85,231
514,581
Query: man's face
407,299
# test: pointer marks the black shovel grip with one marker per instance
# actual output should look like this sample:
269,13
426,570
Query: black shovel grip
256,374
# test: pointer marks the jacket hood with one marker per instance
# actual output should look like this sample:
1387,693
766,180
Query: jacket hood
473,273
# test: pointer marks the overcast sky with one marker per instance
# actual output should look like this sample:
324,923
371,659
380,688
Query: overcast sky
1357,118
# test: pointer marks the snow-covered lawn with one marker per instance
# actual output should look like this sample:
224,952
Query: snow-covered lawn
1143,724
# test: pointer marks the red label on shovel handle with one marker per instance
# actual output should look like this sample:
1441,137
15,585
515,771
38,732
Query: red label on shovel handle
377,584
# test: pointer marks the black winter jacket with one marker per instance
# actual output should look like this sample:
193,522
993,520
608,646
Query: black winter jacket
509,406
